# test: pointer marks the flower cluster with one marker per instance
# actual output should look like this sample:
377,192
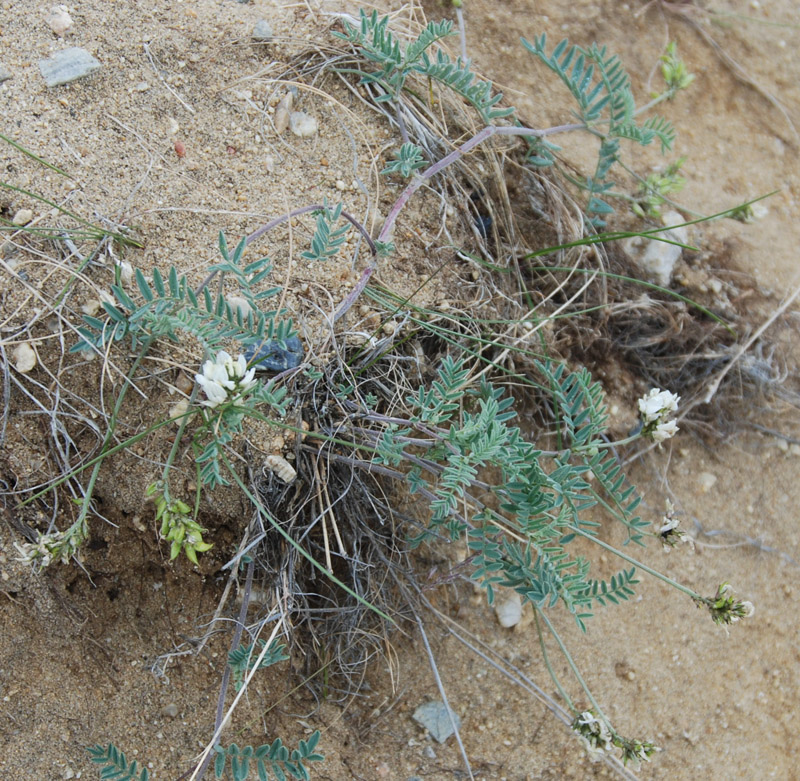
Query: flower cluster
655,408
593,733
225,379
669,532
177,525
597,737
724,607
56,546
636,751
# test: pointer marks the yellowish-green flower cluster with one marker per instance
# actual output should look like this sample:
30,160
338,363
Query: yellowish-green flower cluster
177,525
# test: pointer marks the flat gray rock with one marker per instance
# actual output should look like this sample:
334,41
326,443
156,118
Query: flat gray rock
5,74
434,716
262,31
67,65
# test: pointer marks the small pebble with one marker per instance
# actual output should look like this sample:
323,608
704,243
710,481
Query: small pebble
302,124
389,327
705,481
428,752
239,303
262,31
125,272
59,19
184,383
279,466
435,718
142,86
5,74
281,120
24,358
287,101
67,65
22,217
171,710
509,611
176,413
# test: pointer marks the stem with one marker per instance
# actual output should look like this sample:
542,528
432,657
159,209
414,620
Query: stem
667,95
175,445
635,562
80,527
110,452
562,691
575,671
458,153
226,676
430,172
462,34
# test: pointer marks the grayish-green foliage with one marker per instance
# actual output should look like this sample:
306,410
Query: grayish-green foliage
606,106
396,63
272,758
542,498
243,659
170,306
115,765
326,241
407,160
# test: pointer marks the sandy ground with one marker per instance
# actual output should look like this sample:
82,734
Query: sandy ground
77,647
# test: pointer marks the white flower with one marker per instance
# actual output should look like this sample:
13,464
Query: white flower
664,431
224,379
593,733
748,609
657,404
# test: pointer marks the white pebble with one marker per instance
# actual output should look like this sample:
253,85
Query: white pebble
302,124
240,303
705,481
279,466
24,358
171,710
22,217
178,410
59,19
509,611
125,272
67,65
287,101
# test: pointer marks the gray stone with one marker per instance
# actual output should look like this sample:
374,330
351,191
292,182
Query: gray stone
170,711
67,65
262,31
658,258
270,356
435,717
5,73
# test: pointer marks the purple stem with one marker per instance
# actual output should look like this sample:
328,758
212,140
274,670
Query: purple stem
431,171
